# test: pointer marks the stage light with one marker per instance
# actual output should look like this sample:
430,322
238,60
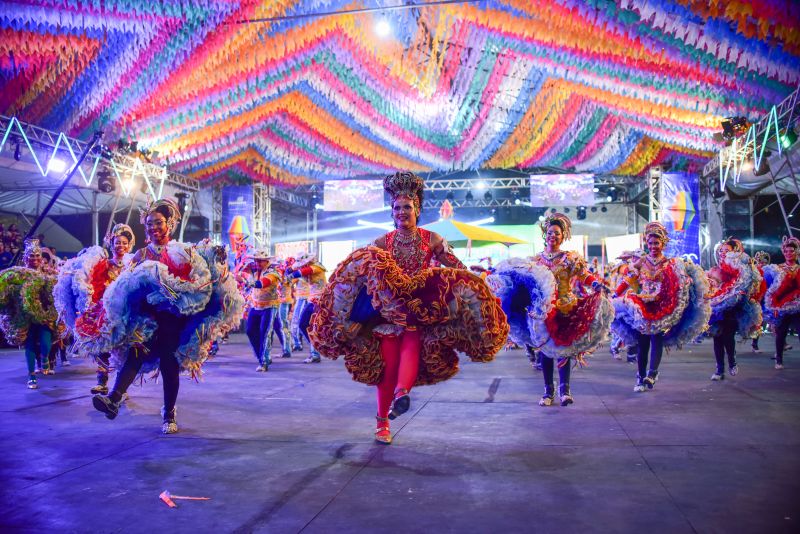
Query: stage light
541,218
596,189
105,182
609,199
485,220
566,210
594,209
604,209
468,197
747,166
17,152
381,226
319,206
128,184
581,213
480,186
788,138
517,202
487,196
57,165
552,210
383,28
450,196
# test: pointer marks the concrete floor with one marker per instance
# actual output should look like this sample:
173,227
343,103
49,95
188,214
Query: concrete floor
291,450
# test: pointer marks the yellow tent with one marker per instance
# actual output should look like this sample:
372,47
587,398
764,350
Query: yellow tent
459,233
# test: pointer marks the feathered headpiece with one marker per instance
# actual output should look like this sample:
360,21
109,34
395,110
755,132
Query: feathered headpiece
174,212
405,184
560,220
762,256
657,230
735,244
790,241
32,248
120,229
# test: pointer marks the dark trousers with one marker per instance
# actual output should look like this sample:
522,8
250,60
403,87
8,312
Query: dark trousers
103,365
725,342
162,345
259,328
548,367
781,329
37,344
652,346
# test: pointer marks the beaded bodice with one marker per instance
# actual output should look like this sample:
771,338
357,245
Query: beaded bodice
566,267
412,253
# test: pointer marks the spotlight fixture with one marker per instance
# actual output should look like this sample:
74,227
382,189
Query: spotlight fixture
517,202
487,196
383,28
581,212
609,199
17,152
552,210
604,209
450,196
566,210
57,165
105,182
468,197
594,209
481,185
788,138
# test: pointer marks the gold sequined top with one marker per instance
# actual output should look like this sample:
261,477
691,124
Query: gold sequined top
567,267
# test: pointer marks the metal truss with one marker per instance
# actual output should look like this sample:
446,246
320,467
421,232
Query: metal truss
788,206
216,214
760,137
262,215
654,193
123,166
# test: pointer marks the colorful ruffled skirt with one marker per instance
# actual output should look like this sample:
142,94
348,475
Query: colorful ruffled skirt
680,311
205,305
527,292
369,296
733,298
26,298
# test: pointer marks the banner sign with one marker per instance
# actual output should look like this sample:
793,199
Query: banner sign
680,213
237,216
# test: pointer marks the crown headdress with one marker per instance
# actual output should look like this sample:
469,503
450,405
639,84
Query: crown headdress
32,248
793,241
120,229
174,212
657,230
558,219
762,256
405,184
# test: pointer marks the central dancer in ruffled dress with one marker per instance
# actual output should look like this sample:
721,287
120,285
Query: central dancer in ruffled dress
397,320
544,310
662,303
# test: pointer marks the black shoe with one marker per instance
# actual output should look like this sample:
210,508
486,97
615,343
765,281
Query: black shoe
286,354
105,405
400,405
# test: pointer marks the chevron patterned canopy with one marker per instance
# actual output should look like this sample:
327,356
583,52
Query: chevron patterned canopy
605,86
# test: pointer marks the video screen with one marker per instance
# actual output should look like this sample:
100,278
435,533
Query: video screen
555,190
353,195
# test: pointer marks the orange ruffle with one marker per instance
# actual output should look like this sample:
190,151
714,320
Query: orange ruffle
453,309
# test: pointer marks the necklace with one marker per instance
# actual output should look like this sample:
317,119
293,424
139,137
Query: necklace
408,239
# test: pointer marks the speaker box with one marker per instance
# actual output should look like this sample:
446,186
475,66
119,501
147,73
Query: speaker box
196,229
736,218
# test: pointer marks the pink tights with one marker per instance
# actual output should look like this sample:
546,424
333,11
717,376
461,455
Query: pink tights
401,358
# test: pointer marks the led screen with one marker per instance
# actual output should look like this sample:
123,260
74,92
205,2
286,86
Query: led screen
556,190
353,195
